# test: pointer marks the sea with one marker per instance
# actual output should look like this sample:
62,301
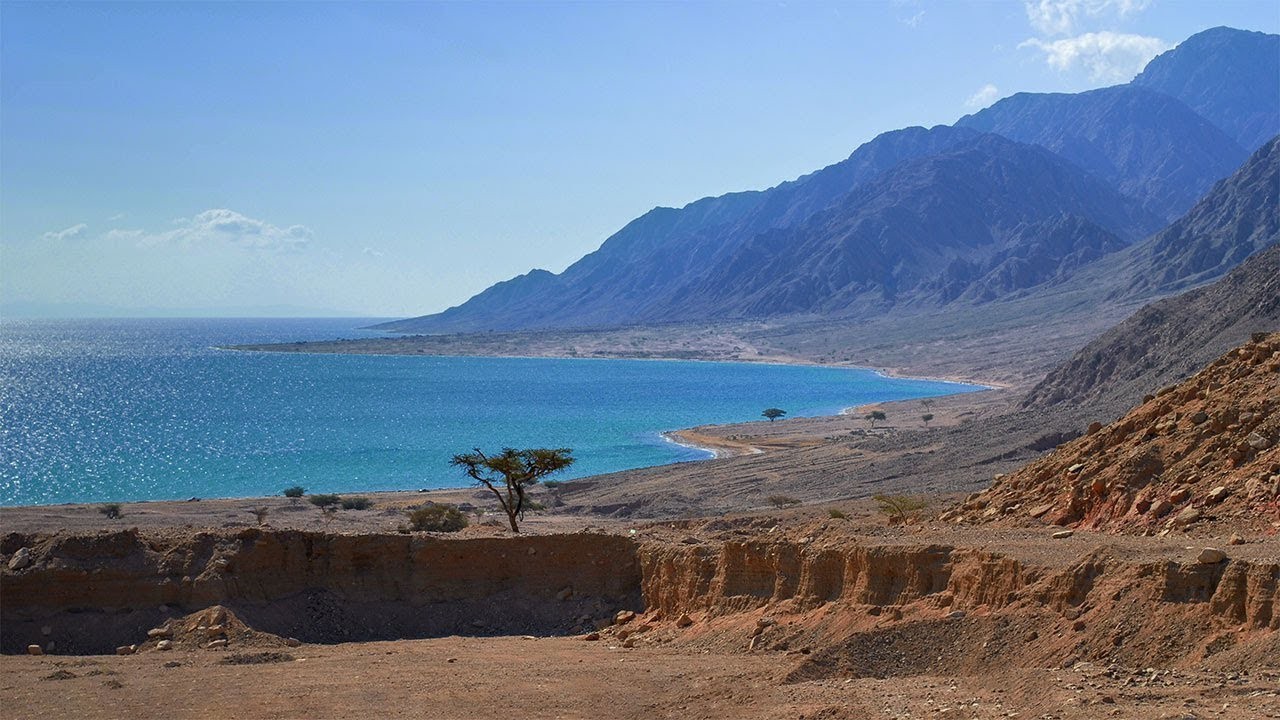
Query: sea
150,409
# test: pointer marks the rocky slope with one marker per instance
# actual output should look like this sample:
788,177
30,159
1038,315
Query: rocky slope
1165,341
926,232
1204,451
1148,145
1226,75
1239,217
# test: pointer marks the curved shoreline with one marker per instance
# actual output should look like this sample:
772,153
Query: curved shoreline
718,447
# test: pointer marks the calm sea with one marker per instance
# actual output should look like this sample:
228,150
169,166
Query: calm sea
102,410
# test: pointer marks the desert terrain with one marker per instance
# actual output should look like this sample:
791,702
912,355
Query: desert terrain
971,606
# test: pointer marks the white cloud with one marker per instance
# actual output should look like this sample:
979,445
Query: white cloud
1107,56
70,233
984,97
914,20
117,216
373,253
1064,17
222,227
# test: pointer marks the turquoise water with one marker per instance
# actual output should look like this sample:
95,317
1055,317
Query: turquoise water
122,410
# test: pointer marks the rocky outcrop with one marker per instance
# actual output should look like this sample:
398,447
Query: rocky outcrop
109,589
98,594
1204,450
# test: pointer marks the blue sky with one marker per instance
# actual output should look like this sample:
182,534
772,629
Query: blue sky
394,159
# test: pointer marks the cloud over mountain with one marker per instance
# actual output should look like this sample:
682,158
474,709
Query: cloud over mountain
1106,55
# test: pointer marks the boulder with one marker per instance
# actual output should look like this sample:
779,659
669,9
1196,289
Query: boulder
1257,441
623,617
1040,510
1218,494
164,645
126,649
1211,556
293,642
1062,535
221,643
1199,417
591,636
160,632
34,650
20,559
1187,516
1180,495
684,621
1235,540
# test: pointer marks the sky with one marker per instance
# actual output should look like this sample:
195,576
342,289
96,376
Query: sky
393,159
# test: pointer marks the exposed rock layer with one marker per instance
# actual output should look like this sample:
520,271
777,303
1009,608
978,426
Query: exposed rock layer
99,592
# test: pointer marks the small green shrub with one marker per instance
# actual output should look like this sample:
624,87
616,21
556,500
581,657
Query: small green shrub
900,508
357,503
111,510
781,501
295,492
437,517
835,514
324,501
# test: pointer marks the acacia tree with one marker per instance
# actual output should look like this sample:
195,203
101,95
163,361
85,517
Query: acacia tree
875,415
773,413
926,418
510,473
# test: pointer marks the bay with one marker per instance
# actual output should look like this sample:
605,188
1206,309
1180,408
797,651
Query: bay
127,410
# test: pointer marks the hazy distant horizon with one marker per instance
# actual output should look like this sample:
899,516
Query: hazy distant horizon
83,311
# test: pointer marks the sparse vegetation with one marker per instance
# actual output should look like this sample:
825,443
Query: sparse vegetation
510,474
925,418
835,514
324,501
437,517
773,413
900,508
330,512
875,416
295,493
781,501
261,514
111,510
356,503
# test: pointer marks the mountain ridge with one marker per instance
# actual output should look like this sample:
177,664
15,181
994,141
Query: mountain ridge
1147,144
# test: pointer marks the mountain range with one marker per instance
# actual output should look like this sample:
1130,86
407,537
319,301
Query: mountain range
1035,192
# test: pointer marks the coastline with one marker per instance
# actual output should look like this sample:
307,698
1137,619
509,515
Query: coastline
719,448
